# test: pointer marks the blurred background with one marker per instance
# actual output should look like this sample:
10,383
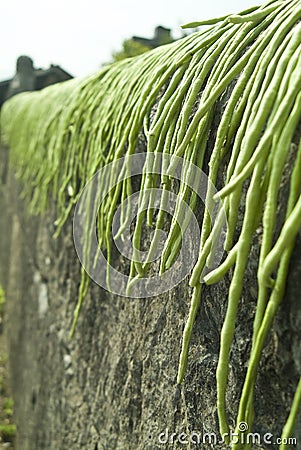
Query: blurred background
81,36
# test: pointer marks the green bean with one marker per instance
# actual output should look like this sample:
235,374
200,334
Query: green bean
194,306
290,423
234,297
268,318
214,21
254,16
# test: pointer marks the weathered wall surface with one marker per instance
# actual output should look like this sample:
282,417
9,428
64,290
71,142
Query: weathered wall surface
114,385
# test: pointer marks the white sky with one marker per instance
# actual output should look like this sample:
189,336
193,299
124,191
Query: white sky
80,35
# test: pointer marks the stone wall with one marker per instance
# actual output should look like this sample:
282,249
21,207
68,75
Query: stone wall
114,385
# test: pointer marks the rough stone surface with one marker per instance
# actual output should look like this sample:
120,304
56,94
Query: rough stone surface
114,385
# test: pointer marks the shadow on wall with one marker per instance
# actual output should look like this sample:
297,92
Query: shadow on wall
28,78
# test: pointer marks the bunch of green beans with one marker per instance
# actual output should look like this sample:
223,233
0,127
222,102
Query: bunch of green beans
247,64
